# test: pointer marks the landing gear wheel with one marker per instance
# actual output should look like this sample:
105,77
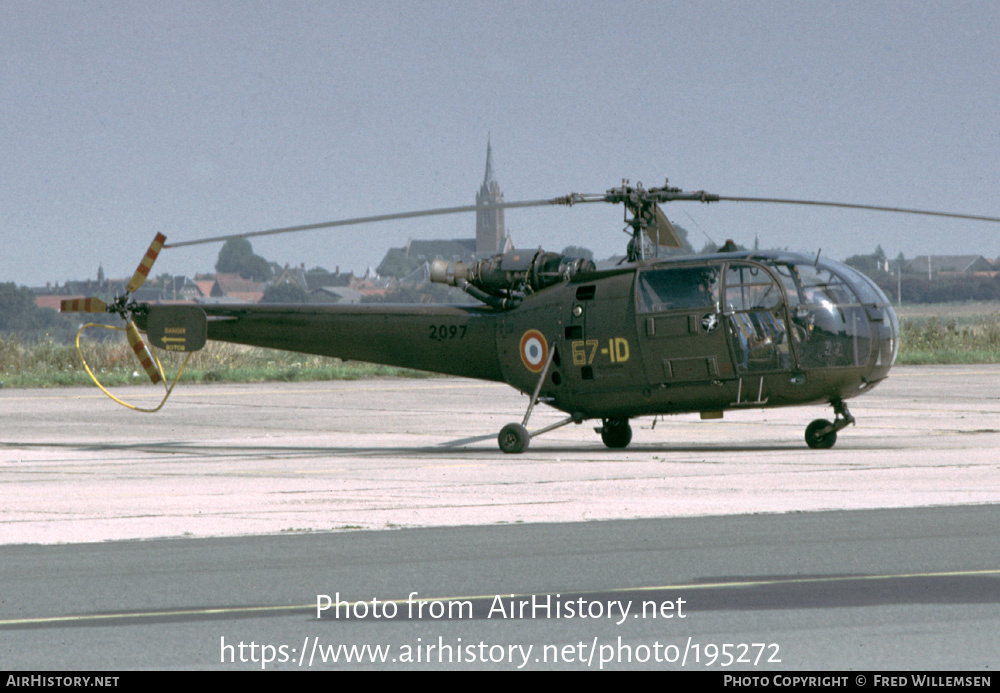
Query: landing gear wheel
513,438
616,433
821,434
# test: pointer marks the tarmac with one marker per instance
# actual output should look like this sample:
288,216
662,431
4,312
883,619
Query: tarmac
231,460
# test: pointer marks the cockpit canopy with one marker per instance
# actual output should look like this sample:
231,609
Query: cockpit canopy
783,310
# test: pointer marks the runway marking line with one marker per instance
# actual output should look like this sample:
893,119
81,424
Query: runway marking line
228,611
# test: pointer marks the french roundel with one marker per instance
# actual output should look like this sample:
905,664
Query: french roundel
534,350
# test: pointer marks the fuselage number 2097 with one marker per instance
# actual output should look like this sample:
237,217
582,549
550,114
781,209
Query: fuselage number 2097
441,332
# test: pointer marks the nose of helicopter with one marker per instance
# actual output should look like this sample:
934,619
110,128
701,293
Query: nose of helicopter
887,344
882,323
882,326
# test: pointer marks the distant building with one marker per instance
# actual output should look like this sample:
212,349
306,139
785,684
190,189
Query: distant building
173,289
929,265
455,249
335,294
231,285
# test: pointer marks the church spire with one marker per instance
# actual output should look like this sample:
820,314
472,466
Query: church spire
489,177
490,229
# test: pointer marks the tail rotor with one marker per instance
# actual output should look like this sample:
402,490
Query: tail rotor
126,308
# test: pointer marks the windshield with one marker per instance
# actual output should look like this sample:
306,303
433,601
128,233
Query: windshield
833,307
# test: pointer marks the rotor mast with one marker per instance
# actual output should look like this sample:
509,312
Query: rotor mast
647,221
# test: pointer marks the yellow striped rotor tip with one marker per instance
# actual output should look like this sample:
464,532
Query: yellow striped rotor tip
83,305
147,263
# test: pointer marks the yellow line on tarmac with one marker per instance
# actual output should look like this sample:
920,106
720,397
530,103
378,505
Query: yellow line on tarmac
96,618
249,610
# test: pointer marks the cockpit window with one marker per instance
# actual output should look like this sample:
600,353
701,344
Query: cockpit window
756,318
831,326
787,276
867,290
678,288
882,325
820,286
750,287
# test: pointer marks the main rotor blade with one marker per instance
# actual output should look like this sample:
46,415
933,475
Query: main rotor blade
876,208
570,199
613,196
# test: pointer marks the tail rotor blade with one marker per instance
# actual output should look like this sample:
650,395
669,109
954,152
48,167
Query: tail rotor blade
142,352
147,263
83,305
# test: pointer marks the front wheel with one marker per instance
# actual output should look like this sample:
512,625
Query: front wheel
821,435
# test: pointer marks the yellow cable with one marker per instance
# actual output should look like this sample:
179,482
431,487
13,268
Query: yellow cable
158,365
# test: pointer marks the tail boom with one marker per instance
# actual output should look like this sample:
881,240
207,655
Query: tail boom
452,340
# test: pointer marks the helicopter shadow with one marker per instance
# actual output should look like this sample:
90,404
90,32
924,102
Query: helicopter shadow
476,445
218,452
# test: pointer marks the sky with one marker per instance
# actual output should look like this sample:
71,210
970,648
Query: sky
195,119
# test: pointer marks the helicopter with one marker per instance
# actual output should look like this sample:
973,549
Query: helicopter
706,334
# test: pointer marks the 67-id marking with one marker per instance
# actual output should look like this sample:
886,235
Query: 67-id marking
584,351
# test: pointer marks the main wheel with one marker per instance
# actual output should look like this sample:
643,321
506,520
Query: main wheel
514,438
815,436
616,433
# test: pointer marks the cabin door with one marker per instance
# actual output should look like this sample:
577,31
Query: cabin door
680,325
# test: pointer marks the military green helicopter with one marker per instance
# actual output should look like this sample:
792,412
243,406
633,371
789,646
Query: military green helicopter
650,336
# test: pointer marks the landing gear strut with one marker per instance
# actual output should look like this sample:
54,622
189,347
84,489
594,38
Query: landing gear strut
514,437
822,434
